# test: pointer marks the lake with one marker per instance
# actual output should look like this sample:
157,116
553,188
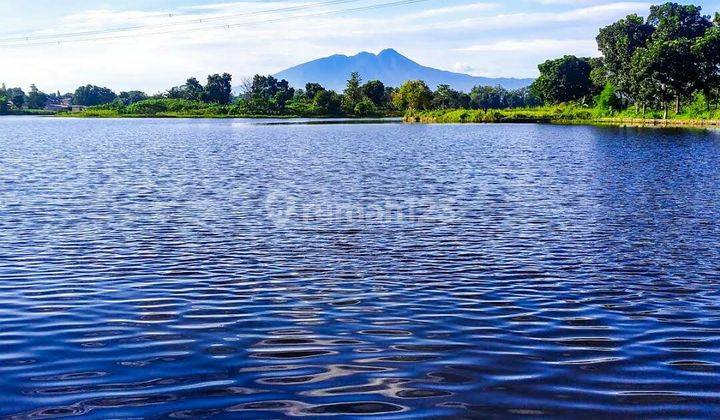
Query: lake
198,268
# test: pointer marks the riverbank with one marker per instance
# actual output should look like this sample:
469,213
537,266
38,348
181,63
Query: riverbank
91,113
558,115
542,115
179,108
28,112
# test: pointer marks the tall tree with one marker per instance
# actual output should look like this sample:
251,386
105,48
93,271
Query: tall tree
675,21
658,71
312,89
353,92
488,97
219,89
36,99
618,42
328,102
445,97
374,90
598,74
564,79
522,97
676,29
131,97
16,97
193,90
3,99
91,95
706,50
283,94
413,95
269,95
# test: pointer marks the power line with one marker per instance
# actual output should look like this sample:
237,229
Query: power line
225,26
60,36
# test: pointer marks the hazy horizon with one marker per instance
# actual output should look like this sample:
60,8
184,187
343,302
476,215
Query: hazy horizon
488,39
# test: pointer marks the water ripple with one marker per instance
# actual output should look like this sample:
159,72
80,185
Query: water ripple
193,269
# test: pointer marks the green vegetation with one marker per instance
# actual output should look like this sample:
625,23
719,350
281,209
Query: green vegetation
13,101
36,99
556,113
91,95
694,113
664,67
158,108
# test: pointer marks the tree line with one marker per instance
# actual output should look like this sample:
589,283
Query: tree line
266,95
17,98
671,58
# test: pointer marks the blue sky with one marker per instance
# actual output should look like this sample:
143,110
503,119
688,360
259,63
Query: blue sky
487,38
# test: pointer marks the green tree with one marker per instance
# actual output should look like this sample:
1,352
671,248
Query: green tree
131,97
312,89
36,99
328,102
193,90
16,97
218,89
365,108
563,80
284,93
374,90
673,21
671,64
269,95
353,93
521,98
3,100
618,42
91,95
608,99
413,95
445,97
488,97
653,70
706,50
598,74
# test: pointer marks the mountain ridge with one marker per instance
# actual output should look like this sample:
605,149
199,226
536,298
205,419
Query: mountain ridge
388,66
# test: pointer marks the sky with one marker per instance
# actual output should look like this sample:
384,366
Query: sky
177,39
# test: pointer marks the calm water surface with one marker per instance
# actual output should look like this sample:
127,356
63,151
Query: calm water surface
224,268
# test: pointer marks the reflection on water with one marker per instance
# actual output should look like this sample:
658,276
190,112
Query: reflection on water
215,268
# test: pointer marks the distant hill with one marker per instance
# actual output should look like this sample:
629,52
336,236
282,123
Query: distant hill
390,67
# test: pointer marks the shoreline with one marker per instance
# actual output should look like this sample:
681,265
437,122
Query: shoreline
415,119
608,121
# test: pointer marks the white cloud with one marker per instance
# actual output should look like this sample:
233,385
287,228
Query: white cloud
538,46
453,10
154,62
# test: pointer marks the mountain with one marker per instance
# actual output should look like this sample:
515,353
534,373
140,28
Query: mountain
390,67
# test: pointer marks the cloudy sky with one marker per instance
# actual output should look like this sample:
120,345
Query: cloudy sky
175,39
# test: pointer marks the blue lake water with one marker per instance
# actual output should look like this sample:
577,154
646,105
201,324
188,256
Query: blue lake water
194,268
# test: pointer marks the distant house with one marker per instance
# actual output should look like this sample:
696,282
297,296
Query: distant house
78,108
58,104
56,107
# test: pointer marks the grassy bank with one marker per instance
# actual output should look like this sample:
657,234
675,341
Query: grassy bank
28,112
180,108
159,108
564,114
542,114
558,114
